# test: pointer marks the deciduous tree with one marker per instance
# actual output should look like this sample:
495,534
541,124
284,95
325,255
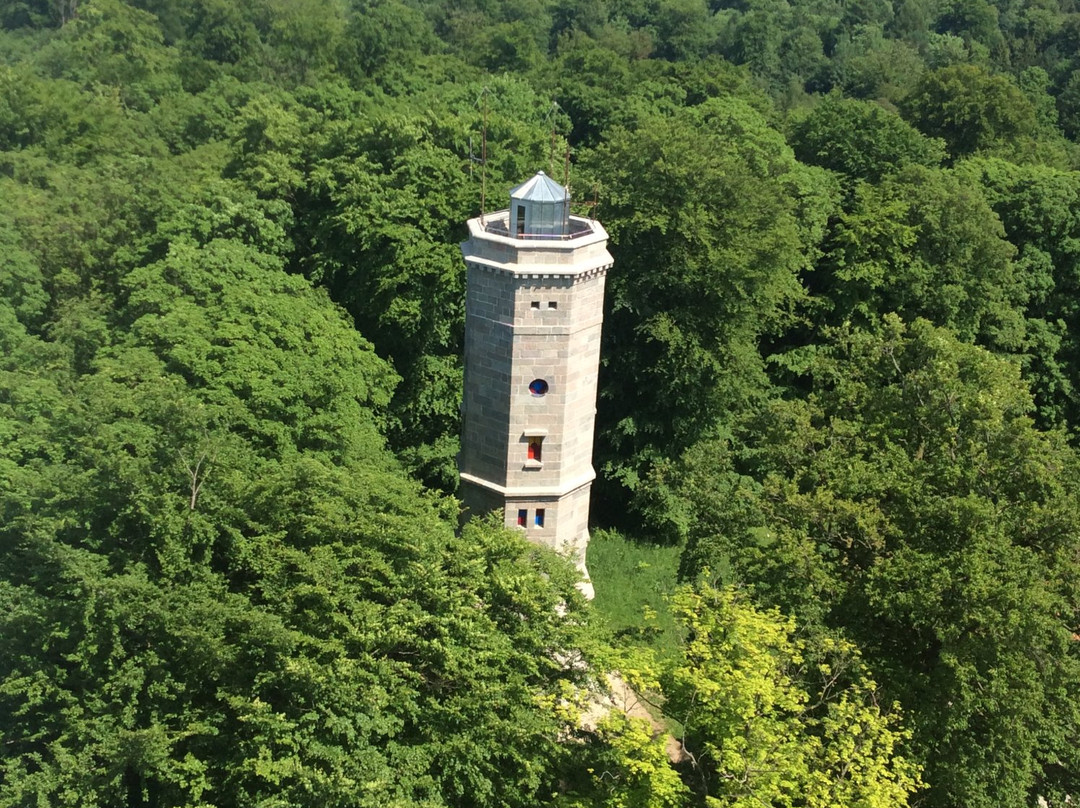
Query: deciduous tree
764,727
910,503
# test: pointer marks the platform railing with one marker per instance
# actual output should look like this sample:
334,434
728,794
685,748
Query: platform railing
499,225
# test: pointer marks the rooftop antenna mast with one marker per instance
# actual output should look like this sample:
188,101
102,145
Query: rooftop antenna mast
566,170
483,162
552,110
482,103
553,113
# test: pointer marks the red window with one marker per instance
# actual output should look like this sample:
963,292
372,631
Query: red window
523,518
535,449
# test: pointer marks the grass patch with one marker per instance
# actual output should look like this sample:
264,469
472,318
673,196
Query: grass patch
633,581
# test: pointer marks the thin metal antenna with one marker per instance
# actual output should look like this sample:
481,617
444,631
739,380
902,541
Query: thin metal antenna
483,163
551,153
482,103
552,110
566,170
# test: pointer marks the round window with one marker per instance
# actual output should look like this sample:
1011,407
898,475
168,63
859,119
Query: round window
538,387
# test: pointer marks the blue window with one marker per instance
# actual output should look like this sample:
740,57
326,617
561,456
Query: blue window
523,518
538,387
538,520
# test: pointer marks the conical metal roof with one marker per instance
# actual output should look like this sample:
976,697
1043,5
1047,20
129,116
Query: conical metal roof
539,188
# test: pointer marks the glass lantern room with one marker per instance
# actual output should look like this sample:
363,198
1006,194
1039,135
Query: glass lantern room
539,208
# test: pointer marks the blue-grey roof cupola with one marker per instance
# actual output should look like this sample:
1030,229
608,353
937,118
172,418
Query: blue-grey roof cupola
539,208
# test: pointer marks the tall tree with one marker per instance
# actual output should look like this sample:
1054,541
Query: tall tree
910,503
711,221
970,108
1039,207
925,243
219,587
764,726
861,140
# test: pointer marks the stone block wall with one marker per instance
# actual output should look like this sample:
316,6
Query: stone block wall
489,345
533,311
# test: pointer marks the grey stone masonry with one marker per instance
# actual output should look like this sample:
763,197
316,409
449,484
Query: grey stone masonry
533,314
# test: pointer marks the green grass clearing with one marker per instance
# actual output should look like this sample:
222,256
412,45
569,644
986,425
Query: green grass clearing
633,581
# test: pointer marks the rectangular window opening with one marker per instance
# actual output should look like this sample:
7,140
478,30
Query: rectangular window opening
553,304
521,220
523,518
539,518
535,304
536,449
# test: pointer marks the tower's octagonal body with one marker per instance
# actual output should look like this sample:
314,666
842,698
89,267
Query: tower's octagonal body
533,314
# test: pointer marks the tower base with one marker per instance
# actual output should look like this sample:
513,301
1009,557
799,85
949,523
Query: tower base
558,522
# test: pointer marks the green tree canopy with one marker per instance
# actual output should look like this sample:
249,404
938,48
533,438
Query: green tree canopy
910,504
925,243
1039,207
711,220
220,588
763,726
861,140
969,108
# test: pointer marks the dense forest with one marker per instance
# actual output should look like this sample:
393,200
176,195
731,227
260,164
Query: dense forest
839,381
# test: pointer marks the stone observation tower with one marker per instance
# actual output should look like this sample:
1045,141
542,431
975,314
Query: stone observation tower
534,303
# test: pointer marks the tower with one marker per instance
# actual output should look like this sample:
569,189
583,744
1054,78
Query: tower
534,304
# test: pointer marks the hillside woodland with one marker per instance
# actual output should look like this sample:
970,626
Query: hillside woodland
840,373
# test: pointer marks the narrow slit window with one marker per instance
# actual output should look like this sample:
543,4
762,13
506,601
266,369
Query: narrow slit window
523,518
536,449
521,220
538,520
